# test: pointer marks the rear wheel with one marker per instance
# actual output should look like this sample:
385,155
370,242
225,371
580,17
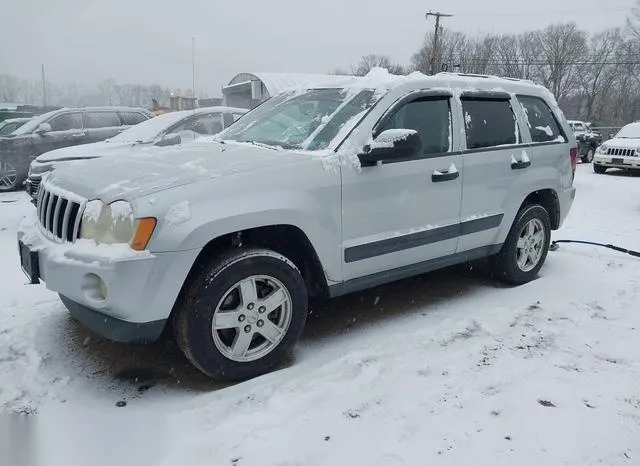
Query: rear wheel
526,247
9,176
588,157
241,314
599,169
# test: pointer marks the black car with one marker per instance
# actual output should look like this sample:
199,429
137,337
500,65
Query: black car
60,128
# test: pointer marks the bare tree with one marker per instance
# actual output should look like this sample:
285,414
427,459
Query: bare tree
367,62
633,21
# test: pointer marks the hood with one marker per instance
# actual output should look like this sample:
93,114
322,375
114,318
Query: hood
623,143
158,168
83,151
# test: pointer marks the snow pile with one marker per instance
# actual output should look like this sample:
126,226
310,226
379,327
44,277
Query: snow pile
390,137
178,213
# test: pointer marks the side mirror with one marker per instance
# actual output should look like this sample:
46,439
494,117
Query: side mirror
169,140
391,144
43,128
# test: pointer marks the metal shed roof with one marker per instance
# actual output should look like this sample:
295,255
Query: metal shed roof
278,82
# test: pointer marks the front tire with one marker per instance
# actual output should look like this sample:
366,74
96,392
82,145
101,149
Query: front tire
599,169
241,314
588,157
526,247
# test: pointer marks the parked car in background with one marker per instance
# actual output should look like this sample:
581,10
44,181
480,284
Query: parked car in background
317,192
60,128
588,140
623,151
9,126
164,130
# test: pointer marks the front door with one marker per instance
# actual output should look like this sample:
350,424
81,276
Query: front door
66,130
405,212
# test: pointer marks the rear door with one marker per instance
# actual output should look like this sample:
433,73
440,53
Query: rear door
102,124
494,157
405,212
66,130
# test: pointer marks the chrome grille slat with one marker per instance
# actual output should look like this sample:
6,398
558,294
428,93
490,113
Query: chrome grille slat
59,214
621,152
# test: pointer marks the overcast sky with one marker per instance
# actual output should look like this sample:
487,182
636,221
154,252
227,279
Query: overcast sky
149,41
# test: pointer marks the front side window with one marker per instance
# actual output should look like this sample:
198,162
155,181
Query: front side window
132,118
66,122
489,123
102,120
308,120
542,123
431,118
203,125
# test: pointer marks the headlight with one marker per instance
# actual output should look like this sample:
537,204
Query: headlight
115,224
39,169
602,149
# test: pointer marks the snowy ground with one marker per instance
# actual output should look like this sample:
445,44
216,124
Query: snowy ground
450,368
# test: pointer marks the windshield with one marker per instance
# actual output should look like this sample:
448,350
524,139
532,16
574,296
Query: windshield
310,120
149,130
33,124
631,131
578,127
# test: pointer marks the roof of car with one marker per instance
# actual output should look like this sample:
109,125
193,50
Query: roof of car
16,120
104,108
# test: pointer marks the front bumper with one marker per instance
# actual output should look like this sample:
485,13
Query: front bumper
32,185
123,299
613,161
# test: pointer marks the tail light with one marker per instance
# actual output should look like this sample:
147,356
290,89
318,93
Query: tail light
573,154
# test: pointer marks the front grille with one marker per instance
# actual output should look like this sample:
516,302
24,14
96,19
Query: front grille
33,187
621,152
58,215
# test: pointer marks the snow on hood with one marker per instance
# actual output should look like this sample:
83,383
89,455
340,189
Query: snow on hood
623,143
84,151
160,168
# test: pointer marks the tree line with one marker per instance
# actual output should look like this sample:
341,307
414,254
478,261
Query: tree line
595,77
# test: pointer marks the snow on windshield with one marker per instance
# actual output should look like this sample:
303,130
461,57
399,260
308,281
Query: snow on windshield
150,129
631,131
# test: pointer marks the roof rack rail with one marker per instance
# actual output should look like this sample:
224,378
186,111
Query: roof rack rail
487,76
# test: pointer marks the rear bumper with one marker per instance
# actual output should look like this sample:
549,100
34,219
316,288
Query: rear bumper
620,162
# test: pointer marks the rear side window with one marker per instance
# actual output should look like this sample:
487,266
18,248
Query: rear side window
489,123
542,122
66,122
102,120
132,118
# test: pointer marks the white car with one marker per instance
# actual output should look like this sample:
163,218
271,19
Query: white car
164,130
623,151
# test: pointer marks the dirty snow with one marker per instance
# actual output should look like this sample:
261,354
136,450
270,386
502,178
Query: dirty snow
447,369
178,213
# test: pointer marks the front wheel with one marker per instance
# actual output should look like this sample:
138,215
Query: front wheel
9,176
526,247
599,169
241,314
588,157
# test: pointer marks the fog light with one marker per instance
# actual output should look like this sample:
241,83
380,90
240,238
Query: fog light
94,288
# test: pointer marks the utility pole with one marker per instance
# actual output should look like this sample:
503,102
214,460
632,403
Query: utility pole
193,71
435,65
44,88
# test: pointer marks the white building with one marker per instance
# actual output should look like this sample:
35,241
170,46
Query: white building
246,90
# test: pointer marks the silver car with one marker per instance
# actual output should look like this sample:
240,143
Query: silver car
316,193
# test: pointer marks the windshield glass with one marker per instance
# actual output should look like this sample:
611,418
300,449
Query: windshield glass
149,130
310,120
631,131
33,124
578,127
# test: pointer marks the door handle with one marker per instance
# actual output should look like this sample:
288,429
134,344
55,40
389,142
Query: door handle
515,165
438,176
78,135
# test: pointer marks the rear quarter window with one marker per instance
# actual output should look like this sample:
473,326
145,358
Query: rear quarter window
489,123
102,120
132,118
543,125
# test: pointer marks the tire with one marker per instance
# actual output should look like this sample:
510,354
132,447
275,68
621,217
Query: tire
218,289
599,169
11,176
506,265
588,157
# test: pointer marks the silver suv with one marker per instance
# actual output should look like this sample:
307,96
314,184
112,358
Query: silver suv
317,192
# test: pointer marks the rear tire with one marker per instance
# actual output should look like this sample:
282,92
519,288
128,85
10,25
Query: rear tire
241,314
599,169
526,247
11,176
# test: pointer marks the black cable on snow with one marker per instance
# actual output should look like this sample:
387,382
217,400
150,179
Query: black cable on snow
554,246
